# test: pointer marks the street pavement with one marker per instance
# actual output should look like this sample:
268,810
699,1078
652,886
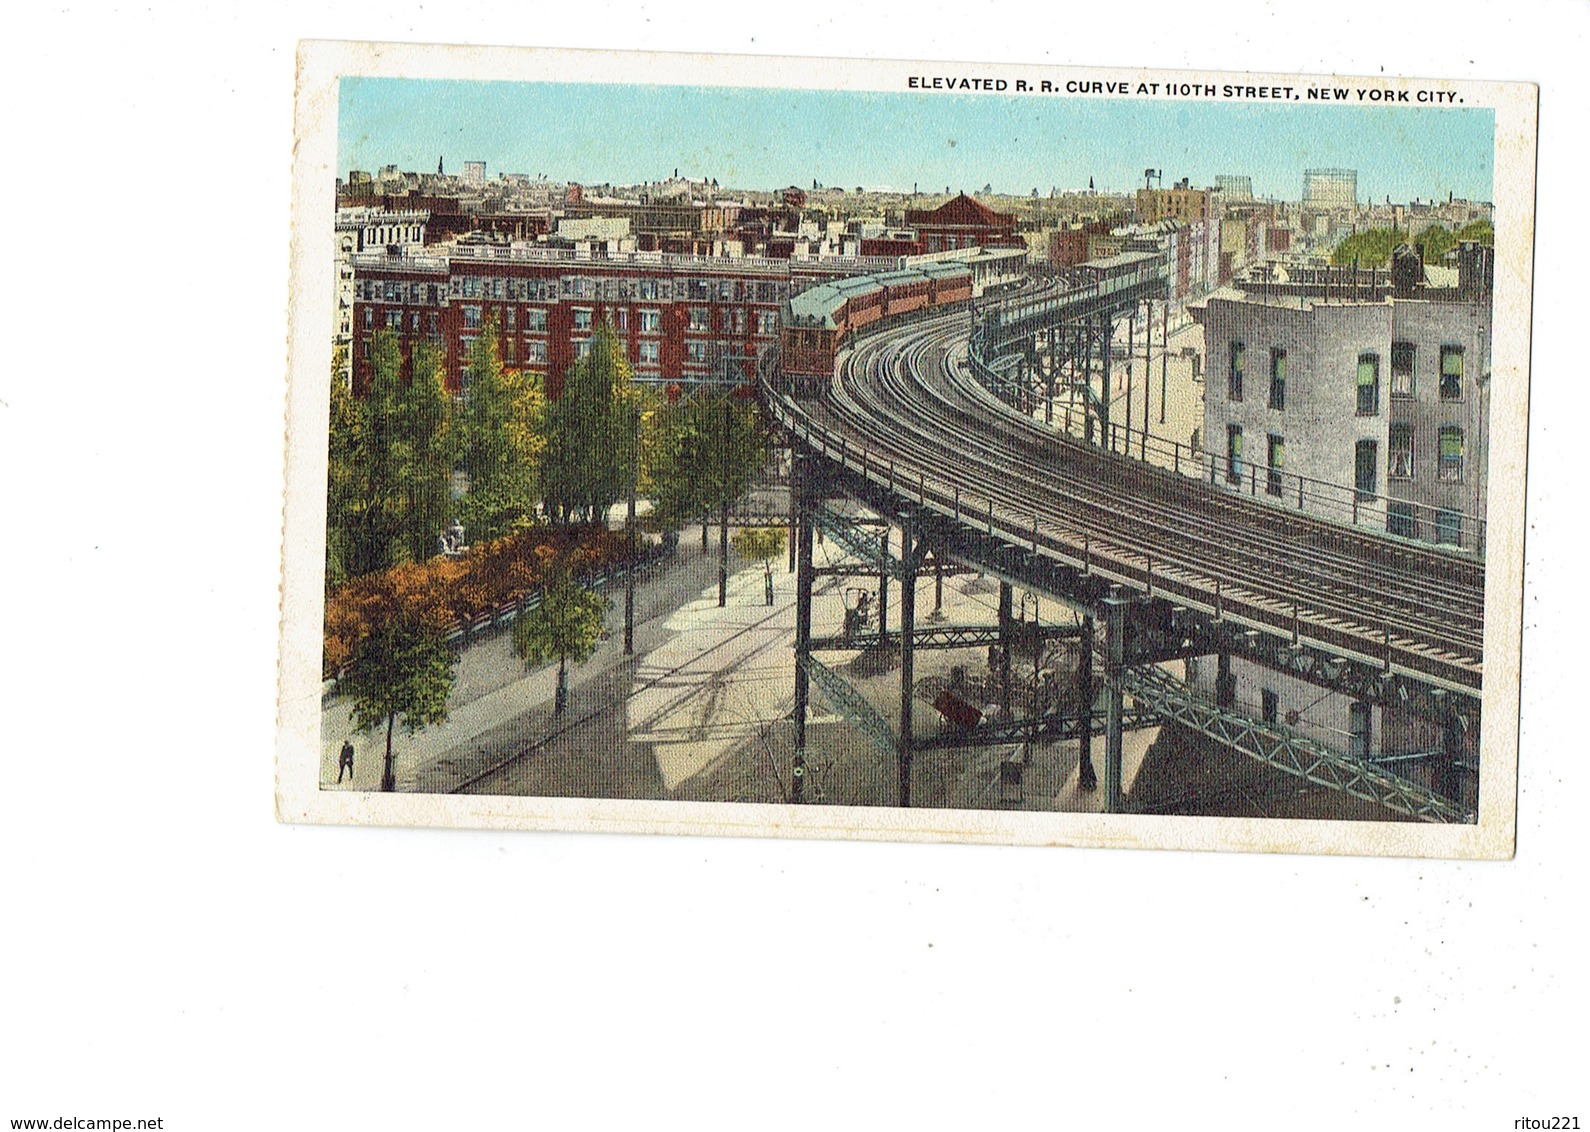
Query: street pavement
701,710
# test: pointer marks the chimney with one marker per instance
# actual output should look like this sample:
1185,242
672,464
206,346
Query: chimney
1476,271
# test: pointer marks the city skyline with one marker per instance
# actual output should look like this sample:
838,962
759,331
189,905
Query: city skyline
754,138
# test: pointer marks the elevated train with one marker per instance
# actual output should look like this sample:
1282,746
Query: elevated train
823,320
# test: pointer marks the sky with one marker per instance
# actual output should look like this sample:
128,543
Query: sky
768,138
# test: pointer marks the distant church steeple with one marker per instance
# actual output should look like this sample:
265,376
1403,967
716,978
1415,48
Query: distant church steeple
439,165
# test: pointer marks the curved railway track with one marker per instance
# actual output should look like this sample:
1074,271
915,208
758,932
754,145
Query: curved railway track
902,404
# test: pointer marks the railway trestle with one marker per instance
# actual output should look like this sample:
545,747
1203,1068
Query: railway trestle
1141,630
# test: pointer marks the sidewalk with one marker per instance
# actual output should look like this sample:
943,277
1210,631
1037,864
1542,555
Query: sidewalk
492,687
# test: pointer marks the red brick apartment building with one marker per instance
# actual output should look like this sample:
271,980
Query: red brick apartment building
674,314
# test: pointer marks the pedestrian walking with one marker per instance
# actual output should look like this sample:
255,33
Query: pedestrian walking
345,760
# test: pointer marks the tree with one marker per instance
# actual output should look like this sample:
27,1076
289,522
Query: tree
1477,231
341,477
591,434
389,463
429,446
565,624
1435,241
1372,248
402,670
762,544
700,440
503,435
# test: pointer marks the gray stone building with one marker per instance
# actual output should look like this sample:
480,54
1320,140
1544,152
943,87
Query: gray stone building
1361,396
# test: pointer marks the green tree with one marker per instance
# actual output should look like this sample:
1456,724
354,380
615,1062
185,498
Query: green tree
565,624
1368,249
401,672
503,434
762,544
704,445
1477,231
341,478
389,463
592,433
429,448
1436,240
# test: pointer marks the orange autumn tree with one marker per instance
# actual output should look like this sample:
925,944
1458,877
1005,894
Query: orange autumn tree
401,668
490,577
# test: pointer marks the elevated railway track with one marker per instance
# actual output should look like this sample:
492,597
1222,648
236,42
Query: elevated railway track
903,411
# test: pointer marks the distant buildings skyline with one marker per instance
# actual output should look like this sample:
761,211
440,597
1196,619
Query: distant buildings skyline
750,138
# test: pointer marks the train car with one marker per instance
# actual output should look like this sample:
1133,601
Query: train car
822,320
950,284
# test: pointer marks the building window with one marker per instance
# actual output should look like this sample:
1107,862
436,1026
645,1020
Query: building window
766,323
1368,384
1401,466
1269,704
1234,380
650,321
1278,379
621,320
1277,461
535,320
1449,527
647,353
696,352
472,318
1364,470
700,318
394,320
1234,453
1451,373
582,348
1359,737
1400,520
1402,355
1450,467
535,352
582,318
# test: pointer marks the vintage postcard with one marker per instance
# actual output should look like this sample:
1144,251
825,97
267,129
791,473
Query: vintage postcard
839,448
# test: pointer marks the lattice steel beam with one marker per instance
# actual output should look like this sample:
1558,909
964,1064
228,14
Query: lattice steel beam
1135,718
1288,751
948,637
852,705
866,546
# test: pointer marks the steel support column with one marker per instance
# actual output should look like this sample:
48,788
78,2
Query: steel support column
883,587
1005,639
907,652
1449,769
803,621
1087,777
1114,653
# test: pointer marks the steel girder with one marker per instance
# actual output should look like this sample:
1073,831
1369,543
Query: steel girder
1135,718
948,637
852,705
866,547
1020,320
1157,628
1286,750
